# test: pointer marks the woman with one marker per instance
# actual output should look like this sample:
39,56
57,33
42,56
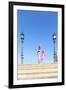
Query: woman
40,56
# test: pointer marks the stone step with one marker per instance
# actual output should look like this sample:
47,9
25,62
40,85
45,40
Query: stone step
37,71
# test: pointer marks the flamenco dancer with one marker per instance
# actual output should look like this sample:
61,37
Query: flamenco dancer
40,55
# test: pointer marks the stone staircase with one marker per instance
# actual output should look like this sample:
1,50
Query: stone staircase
37,71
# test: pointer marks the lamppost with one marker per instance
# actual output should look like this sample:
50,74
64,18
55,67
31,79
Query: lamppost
22,40
54,41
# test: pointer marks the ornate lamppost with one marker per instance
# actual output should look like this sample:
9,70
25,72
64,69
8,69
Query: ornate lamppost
54,41
22,40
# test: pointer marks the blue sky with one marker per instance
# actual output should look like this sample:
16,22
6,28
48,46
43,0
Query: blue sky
38,27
